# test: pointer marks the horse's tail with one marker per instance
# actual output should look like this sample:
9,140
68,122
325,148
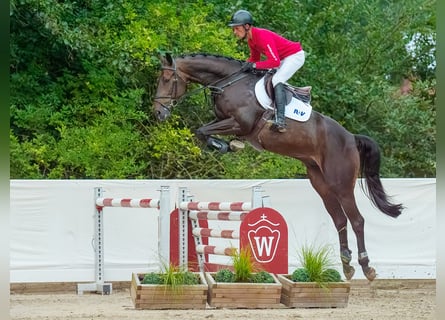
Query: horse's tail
369,169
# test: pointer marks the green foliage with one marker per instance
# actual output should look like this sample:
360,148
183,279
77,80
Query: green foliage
83,77
300,275
224,275
175,153
152,278
243,264
262,277
251,164
189,278
304,275
227,276
331,275
245,270
316,263
174,277
21,163
409,133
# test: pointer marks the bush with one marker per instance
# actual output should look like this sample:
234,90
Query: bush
300,275
263,277
224,275
331,275
316,266
152,278
189,278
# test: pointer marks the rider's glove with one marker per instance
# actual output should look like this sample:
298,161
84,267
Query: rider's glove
248,66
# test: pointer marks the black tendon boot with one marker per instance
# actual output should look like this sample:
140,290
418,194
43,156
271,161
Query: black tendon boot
280,104
217,144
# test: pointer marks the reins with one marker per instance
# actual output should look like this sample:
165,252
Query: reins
211,86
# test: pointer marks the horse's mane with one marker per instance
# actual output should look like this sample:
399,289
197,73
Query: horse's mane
210,55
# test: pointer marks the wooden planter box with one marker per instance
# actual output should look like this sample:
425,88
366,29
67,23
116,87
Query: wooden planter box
153,296
243,295
310,295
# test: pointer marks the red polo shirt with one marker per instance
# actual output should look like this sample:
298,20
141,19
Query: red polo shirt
272,45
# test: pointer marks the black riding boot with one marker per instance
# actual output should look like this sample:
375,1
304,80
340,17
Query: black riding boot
280,104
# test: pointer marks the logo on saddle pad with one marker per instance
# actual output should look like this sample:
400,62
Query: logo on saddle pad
295,109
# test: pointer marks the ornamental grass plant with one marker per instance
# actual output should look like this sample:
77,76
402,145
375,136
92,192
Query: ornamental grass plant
245,269
243,265
316,266
172,287
172,276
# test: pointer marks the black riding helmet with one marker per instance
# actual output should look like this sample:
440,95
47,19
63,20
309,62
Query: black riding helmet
240,18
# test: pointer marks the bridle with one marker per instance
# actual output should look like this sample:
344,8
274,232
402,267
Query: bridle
174,88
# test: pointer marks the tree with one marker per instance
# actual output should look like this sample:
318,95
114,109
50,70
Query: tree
84,74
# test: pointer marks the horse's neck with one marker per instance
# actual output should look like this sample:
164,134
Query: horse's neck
206,72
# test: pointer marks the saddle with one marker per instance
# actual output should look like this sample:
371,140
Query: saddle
301,93
297,98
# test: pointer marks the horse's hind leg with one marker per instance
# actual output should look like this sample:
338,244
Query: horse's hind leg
336,212
341,181
358,224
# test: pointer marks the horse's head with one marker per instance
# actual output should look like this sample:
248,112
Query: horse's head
171,86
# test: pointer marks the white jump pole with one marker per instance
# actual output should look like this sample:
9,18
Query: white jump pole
163,204
186,207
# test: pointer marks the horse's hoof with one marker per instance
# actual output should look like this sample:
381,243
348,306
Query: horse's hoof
236,145
370,274
349,272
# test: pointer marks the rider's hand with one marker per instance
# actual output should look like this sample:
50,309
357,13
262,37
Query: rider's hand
247,67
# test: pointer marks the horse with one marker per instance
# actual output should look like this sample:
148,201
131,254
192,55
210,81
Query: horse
334,157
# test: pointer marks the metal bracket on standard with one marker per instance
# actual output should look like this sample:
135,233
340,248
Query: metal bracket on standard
103,288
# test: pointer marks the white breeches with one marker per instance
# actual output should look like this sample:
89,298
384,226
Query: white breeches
288,67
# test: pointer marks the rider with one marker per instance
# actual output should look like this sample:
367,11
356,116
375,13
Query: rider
281,53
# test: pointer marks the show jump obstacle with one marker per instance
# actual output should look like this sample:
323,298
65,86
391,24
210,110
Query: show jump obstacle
163,206
184,233
262,230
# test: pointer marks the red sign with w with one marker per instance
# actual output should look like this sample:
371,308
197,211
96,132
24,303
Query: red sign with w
264,231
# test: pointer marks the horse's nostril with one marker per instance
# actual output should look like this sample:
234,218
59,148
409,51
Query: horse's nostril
160,115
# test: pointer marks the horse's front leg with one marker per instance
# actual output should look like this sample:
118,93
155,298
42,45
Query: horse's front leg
223,127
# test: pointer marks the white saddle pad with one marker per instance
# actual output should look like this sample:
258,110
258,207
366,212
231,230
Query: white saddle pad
296,109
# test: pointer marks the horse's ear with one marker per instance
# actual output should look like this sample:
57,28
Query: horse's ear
169,58
166,59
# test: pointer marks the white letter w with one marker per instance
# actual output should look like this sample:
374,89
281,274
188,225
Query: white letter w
264,244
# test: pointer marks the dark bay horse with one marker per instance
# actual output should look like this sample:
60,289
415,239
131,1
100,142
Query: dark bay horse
334,157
